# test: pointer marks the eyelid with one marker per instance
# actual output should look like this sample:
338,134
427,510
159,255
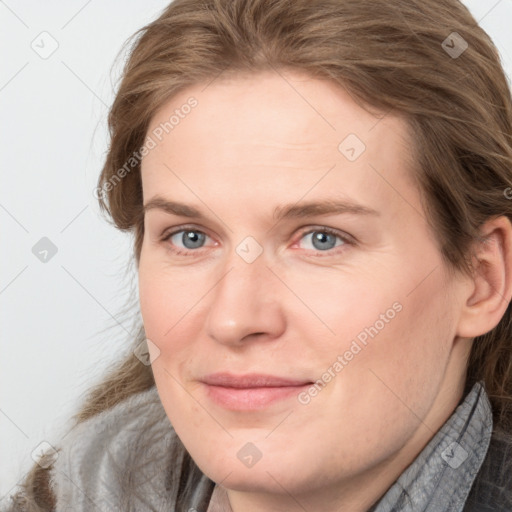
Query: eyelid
349,239
176,229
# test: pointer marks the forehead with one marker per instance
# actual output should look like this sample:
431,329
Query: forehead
271,131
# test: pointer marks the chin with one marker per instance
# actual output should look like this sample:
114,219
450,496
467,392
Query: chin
268,475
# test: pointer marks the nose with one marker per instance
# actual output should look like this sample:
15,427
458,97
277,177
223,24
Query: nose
246,304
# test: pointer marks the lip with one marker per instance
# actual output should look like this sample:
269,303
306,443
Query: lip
250,391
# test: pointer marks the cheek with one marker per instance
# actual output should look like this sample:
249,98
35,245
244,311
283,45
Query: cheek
173,312
153,306
166,300
390,343
346,313
166,305
400,368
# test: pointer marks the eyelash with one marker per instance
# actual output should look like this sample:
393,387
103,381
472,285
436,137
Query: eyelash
322,229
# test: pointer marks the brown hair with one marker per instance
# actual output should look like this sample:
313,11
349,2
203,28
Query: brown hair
387,55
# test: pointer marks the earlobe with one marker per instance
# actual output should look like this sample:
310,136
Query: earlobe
491,288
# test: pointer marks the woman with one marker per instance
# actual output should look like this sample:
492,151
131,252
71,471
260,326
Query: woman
319,196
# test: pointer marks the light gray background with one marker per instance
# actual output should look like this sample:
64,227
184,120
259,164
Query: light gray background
61,321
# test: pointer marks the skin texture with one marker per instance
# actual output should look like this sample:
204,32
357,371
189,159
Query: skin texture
254,143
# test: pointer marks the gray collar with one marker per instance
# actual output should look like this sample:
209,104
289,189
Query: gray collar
441,476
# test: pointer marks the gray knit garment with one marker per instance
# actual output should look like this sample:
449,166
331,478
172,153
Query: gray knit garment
91,472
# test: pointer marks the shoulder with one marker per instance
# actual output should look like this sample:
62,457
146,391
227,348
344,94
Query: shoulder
492,488
121,451
102,463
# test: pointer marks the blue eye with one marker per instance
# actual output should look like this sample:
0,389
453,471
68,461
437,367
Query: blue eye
324,239
190,238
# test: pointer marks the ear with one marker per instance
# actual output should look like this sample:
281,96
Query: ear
490,289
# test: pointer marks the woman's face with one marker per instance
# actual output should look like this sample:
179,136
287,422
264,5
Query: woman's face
300,316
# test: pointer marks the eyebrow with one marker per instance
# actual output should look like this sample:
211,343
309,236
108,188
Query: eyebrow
305,209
